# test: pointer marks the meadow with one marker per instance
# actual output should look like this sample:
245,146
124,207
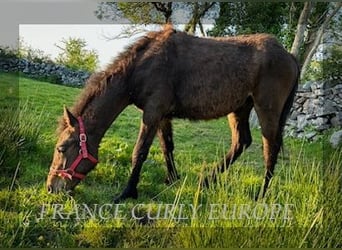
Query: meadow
303,206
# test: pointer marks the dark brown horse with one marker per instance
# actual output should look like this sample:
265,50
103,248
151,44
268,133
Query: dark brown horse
169,74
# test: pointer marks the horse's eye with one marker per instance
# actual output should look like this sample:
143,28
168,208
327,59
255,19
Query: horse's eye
61,149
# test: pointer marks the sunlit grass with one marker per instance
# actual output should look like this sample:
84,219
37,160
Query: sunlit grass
302,179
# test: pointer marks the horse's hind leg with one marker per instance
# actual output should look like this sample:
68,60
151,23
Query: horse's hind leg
167,146
241,137
271,136
273,98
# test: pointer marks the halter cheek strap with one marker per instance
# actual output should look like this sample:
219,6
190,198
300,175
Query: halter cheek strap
70,172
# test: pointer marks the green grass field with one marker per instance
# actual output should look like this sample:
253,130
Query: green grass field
303,207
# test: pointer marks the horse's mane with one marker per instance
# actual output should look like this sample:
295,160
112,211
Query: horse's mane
121,66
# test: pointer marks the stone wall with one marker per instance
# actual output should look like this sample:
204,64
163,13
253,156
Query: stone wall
317,107
51,72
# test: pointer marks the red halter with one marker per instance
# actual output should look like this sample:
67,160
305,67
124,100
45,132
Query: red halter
71,171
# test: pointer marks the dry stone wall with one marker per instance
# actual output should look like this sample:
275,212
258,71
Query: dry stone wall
51,72
317,107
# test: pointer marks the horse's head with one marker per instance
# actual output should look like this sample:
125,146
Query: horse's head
73,157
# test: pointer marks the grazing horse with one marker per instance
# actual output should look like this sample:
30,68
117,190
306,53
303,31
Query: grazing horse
170,74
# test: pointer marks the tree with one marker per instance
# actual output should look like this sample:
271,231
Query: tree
198,11
143,13
74,55
299,26
315,36
250,17
329,68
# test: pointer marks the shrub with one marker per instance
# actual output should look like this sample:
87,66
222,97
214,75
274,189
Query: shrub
25,51
329,68
74,55
29,53
8,52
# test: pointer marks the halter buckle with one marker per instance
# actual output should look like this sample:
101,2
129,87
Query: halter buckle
83,137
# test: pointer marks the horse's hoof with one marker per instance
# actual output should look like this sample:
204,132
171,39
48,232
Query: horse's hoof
126,194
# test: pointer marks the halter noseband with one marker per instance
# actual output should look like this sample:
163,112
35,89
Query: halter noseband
71,171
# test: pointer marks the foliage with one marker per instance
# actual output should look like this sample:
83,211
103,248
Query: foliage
74,55
328,68
286,20
304,177
8,52
332,65
315,20
140,12
136,12
252,17
246,18
278,18
143,13
31,54
25,51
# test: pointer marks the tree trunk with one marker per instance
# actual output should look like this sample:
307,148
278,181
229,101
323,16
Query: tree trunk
312,33
199,10
165,9
301,26
190,28
318,40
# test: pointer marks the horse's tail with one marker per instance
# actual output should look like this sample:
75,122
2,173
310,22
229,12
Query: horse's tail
289,101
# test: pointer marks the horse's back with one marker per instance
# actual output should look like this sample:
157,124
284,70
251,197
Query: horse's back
205,78
218,75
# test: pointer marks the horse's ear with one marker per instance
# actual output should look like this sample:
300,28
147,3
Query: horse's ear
69,118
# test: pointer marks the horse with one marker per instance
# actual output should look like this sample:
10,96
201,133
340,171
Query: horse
169,74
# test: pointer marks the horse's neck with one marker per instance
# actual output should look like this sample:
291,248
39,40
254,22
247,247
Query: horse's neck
101,112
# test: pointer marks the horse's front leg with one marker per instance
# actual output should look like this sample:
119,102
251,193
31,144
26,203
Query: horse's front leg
141,149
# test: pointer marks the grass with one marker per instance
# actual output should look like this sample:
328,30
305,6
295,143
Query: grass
308,178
